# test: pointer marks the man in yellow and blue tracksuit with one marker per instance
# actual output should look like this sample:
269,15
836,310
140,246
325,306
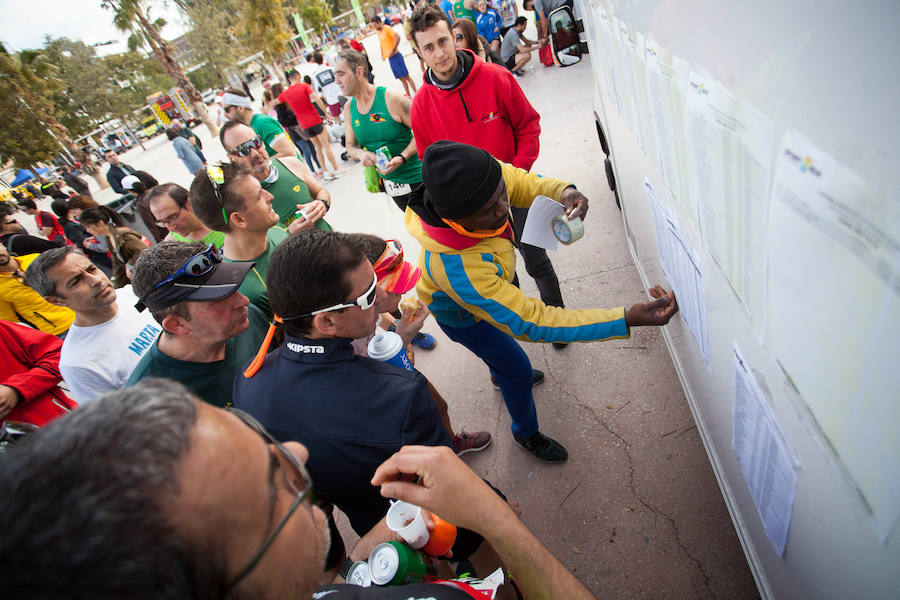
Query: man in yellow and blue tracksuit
468,263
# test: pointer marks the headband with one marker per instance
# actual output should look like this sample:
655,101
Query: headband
229,99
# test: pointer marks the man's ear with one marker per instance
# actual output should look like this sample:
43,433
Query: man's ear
324,323
175,325
57,300
237,220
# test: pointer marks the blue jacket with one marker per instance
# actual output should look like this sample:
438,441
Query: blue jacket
488,24
185,151
351,412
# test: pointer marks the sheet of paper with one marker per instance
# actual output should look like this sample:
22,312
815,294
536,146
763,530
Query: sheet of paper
681,266
635,71
834,312
730,163
764,454
538,230
609,34
667,80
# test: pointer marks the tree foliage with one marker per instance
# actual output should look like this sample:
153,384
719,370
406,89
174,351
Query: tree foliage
213,35
315,13
27,85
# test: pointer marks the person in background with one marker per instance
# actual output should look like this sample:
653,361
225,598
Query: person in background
467,38
46,223
138,185
117,171
488,21
300,97
542,10
124,244
355,45
18,302
185,151
30,377
516,49
75,182
14,238
389,40
325,84
236,106
509,12
77,204
170,205
188,134
288,120
78,235
109,335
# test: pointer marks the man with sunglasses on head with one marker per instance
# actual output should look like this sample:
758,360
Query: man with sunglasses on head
178,499
228,198
209,328
291,184
236,106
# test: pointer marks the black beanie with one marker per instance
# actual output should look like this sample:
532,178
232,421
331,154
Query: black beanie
459,179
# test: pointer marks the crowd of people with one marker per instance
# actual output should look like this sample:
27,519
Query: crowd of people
217,378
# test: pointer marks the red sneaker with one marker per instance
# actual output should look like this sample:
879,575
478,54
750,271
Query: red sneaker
470,442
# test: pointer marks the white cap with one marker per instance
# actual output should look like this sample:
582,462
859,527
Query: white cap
128,182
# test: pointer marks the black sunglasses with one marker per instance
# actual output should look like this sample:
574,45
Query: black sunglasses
247,147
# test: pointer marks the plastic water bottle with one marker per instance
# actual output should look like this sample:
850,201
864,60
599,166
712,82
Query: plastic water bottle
387,347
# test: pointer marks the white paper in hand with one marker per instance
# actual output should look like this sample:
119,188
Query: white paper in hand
538,229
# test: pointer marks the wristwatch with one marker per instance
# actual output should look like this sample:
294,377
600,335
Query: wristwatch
403,158
326,203
345,568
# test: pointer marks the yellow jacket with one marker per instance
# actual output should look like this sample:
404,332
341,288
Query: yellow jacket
464,286
18,302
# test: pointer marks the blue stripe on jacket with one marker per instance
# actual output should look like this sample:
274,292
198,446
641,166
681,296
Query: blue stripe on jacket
459,281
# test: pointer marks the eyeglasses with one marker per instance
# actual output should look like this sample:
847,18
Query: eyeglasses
298,483
365,302
170,219
460,37
247,147
216,178
197,265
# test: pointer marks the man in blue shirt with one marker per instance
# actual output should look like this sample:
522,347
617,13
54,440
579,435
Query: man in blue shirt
488,22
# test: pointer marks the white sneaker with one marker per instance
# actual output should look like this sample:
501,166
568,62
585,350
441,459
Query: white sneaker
329,176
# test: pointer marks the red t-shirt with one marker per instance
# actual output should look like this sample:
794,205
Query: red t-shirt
297,97
45,219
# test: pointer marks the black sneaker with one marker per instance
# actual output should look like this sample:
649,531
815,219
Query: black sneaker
544,448
560,345
537,378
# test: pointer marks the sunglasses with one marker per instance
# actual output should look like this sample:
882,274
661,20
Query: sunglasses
196,266
390,259
460,37
364,302
244,150
216,178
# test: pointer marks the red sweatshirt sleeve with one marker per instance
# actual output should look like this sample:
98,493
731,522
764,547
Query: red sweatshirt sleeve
419,117
525,121
37,351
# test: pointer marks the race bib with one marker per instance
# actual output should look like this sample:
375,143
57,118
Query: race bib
396,189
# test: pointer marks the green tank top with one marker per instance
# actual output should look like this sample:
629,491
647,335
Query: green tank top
378,128
288,191
461,12
213,237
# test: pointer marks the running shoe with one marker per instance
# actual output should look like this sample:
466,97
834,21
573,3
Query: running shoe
544,448
471,442
425,341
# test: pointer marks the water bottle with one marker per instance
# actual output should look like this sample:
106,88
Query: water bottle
387,347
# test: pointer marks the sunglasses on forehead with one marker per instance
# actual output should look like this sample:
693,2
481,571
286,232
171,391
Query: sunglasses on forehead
247,147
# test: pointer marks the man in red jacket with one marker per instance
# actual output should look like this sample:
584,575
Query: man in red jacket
29,372
466,100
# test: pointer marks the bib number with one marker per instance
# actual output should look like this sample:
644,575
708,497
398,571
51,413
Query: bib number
396,189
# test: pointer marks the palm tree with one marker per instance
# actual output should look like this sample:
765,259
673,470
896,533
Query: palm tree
130,16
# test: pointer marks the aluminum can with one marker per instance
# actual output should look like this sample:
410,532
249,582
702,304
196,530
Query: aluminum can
359,574
394,563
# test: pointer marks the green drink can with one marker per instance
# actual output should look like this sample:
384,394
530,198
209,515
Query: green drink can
394,563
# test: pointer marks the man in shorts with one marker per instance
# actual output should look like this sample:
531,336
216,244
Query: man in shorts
516,49
390,43
300,96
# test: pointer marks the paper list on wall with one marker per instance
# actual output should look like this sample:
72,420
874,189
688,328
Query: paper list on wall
601,31
729,162
667,80
764,454
635,71
681,265
834,312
